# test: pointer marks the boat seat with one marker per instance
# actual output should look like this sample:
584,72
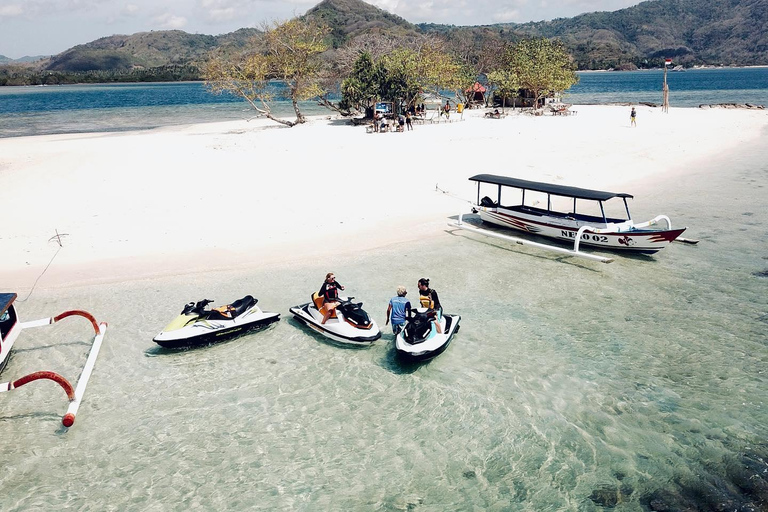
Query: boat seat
233,310
318,301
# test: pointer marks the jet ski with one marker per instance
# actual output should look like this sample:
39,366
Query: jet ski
197,325
349,323
419,339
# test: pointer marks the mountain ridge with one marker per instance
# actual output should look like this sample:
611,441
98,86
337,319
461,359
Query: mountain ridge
692,32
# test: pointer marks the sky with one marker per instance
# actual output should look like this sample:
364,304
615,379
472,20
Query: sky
48,27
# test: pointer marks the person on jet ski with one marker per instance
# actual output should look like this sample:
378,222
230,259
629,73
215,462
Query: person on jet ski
428,299
330,294
398,310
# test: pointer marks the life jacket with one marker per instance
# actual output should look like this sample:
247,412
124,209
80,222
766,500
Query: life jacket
426,301
331,292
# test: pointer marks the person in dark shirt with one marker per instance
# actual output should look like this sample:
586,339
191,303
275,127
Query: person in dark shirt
429,299
329,291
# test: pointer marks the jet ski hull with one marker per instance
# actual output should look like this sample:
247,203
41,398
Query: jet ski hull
336,329
216,331
432,347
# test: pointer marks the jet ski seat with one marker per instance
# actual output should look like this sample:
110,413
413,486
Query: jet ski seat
318,301
233,310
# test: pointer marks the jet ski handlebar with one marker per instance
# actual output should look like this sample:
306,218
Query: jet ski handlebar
198,308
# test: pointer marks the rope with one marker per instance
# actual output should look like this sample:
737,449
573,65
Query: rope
454,196
57,237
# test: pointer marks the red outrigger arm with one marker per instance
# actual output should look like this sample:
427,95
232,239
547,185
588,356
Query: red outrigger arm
55,377
75,396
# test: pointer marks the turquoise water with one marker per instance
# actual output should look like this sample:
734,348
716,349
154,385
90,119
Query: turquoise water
572,385
119,107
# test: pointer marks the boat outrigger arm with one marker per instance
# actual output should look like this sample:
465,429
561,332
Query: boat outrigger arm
562,250
75,396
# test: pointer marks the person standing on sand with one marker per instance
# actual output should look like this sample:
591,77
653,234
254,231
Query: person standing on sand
633,117
409,121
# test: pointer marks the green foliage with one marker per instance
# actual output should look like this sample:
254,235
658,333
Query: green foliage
541,66
27,76
288,52
362,86
403,74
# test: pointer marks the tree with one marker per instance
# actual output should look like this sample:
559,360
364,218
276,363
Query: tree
362,86
506,83
288,52
542,66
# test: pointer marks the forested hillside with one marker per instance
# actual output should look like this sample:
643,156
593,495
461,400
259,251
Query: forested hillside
692,32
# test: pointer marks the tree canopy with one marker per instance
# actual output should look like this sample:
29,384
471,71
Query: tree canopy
542,66
288,51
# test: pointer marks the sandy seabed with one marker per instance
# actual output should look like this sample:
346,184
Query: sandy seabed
242,194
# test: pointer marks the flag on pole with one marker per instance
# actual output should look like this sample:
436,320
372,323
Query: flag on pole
667,62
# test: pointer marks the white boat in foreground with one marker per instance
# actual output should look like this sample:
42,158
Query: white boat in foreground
10,327
565,222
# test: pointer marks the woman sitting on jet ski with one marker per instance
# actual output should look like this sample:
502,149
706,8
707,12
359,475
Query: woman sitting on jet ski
428,298
330,294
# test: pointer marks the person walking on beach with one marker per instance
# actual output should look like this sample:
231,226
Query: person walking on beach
398,310
447,109
633,117
409,121
329,291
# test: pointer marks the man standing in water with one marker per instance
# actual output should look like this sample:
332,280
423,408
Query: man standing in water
398,310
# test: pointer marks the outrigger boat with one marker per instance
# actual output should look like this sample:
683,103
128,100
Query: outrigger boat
10,327
593,228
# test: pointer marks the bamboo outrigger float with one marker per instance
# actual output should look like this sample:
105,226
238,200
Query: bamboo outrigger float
10,327
569,226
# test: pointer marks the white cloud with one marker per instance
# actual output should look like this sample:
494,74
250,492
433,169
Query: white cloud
169,21
9,11
506,16
130,9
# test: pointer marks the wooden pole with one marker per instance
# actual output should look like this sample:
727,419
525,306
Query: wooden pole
665,92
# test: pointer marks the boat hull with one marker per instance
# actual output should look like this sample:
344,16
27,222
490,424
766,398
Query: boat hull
642,241
432,347
9,331
211,332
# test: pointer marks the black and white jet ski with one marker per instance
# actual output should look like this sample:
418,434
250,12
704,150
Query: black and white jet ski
419,339
197,326
349,323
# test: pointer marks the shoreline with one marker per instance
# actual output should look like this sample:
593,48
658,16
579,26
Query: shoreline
237,194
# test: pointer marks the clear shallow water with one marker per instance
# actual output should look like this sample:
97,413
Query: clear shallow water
571,385
119,107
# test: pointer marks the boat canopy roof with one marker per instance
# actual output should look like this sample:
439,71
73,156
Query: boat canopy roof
548,188
6,299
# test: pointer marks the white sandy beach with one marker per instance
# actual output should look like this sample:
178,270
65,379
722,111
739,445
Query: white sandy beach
188,199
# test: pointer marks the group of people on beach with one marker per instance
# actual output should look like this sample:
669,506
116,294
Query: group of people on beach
382,125
398,309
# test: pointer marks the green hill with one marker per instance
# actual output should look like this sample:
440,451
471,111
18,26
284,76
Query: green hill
713,32
709,32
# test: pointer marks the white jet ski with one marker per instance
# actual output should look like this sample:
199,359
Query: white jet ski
419,339
197,326
349,323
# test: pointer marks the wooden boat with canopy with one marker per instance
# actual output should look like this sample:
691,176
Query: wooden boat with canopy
568,214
